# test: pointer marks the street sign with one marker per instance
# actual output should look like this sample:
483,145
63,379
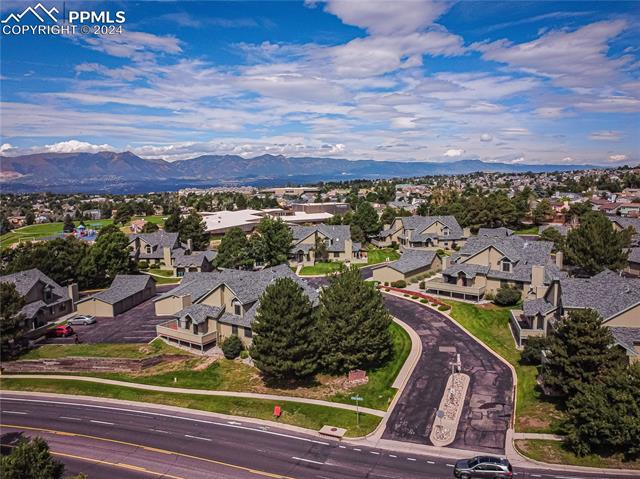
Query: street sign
356,398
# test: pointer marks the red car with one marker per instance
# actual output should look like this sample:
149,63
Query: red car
61,331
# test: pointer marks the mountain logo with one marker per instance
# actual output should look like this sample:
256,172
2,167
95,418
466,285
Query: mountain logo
39,12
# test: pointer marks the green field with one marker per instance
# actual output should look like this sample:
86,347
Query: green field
54,351
321,268
297,414
529,230
43,230
490,324
375,255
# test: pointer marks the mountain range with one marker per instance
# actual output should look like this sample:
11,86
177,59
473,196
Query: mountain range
128,173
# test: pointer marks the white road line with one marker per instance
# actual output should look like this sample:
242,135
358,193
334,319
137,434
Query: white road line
234,423
356,449
430,462
410,459
71,418
342,447
392,455
536,475
13,412
450,465
158,414
307,460
198,437
160,431
101,422
374,452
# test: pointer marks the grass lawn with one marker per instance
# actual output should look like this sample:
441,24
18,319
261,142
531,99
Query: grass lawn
155,219
553,452
303,415
375,256
43,230
321,268
378,393
166,280
490,324
530,230
161,272
53,351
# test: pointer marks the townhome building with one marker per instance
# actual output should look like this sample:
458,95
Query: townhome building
616,298
496,259
435,232
324,243
45,300
208,307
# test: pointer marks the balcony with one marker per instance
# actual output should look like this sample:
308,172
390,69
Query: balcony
442,288
170,330
521,328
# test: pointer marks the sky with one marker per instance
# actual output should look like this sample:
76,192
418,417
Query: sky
515,82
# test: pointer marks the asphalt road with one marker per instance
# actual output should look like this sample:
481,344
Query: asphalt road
109,440
489,402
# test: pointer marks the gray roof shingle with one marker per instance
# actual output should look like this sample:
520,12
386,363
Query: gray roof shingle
628,338
412,260
123,286
200,312
419,223
24,281
537,306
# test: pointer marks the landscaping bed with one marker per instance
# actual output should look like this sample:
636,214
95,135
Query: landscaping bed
308,416
553,452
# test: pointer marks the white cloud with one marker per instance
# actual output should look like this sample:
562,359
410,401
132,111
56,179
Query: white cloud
75,146
618,157
138,46
486,137
605,135
454,152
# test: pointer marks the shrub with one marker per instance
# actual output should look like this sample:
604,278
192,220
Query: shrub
421,285
154,266
441,253
444,307
401,283
489,296
387,290
405,295
244,354
143,264
414,297
532,352
424,301
386,283
232,347
507,296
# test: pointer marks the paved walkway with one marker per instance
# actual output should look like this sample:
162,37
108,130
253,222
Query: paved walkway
534,435
205,392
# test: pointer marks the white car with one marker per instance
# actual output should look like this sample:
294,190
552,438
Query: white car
84,319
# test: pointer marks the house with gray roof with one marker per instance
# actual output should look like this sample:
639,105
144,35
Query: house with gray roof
492,261
45,300
165,250
629,340
411,263
423,232
126,291
324,243
614,297
218,304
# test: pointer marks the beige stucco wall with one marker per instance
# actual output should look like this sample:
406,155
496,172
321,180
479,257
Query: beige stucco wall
385,273
171,305
487,257
95,307
225,330
629,319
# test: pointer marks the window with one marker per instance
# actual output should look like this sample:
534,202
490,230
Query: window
248,333
445,232
336,254
237,308
234,329
148,249
506,266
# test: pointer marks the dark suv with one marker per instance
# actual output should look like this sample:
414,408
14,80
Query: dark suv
489,467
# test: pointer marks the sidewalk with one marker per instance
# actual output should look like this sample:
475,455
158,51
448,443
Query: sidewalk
203,392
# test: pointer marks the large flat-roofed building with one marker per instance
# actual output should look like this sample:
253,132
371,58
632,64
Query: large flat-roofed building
333,208
220,222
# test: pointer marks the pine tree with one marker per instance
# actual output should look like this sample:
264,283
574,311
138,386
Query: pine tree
234,251
354,324
172,223
595,245
604,416
68,226
192,228
579,352
285,345
10,319
542,212
367,219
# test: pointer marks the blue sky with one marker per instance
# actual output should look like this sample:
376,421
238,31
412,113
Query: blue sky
518,82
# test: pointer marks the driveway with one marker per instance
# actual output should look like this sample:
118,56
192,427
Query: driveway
138,325
488,404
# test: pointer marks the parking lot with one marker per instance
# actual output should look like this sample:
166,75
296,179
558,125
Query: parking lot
138,325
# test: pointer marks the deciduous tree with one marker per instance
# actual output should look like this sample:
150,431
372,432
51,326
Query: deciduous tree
271,243
234,251
30,458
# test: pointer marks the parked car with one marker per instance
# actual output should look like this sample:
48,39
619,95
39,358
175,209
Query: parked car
61,331
84,319
489,467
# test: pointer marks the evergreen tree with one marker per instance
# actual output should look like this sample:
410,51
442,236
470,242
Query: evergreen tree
554,236
30,217
10,319
5,225
272,242
595,245
68,226
580,352
106,229
30,459
172,223
234,251
285,346
110,256
192,228
366,217
150,227
604,417
124,212
354,324
388,215
542,212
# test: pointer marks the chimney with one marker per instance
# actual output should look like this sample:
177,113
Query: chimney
537,276
190,245
445,262
186,301
560,259
72,289
166,256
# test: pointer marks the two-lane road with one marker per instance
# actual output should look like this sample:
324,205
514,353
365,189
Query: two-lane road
107,439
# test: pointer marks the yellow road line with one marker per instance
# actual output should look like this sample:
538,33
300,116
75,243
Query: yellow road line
152,449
